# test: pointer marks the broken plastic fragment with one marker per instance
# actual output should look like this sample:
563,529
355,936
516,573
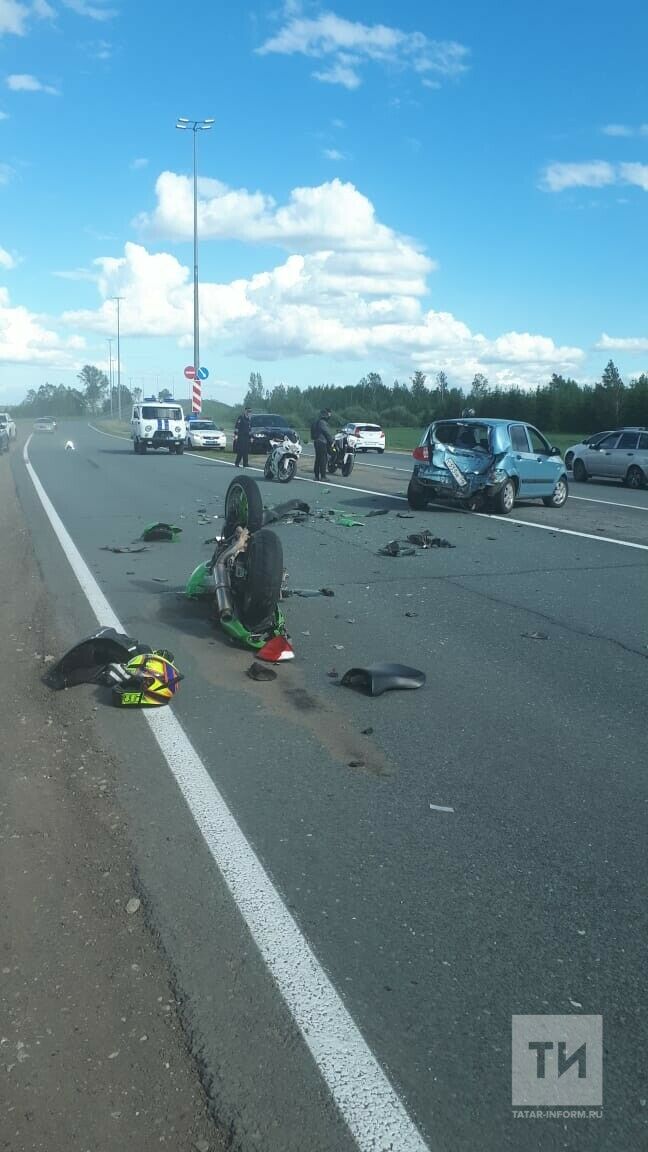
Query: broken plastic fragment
260,672
276,650
427,540
377,512
378,678
395,548
82,663
160,531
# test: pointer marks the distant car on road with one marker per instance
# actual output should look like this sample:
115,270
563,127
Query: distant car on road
45,424
4,439
591,440
365,437
620,455
8,424
267,426
488,463
205,434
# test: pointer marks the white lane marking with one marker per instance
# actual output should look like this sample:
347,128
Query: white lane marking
483,515
364,1096
563,531
609,503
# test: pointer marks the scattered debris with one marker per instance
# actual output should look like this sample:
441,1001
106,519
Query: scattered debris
425,539
110,548
356,763
440,808
160,531
288,508
367,731
405,515
411,614
161,579
348,522
333,674
82,663
133,905
534,635
69,446
339,647
378,678
378,512
276,650
260,672
395,548
491,537
306,593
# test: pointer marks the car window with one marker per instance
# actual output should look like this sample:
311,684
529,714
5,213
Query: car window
628,440
203,425
643,442
519,438
150,412
608,441
538,443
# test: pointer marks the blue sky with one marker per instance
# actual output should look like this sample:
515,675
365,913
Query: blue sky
386,187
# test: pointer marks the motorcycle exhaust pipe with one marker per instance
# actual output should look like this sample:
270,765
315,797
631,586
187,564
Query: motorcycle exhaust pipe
223,587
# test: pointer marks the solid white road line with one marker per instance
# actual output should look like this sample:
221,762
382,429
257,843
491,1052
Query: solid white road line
369,1105
609,503
445,507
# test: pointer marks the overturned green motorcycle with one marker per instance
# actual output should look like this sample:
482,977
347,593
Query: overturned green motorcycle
245,575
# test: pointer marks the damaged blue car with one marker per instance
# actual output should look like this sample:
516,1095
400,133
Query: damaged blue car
486,464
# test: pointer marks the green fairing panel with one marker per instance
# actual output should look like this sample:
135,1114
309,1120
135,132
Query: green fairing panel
201,582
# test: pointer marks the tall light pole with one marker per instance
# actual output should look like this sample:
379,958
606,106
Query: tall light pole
118,299
110,375
195,126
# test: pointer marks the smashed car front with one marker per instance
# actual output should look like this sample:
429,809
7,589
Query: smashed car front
459,460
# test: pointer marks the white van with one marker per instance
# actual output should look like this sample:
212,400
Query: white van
157,425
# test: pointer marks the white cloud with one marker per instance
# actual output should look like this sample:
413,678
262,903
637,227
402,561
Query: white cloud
15,15
76,274
23,82
6,173
332,154
139,162
24,339
635,174
7,261
617,130
348,45
593,174
92,11
623,343
4,115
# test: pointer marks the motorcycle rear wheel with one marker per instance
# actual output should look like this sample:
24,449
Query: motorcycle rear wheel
259,593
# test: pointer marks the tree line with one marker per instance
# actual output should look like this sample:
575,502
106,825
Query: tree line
560,405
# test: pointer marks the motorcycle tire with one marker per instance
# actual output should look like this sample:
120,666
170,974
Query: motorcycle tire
347,467
259,593
243,505
267,470
331,468
286,470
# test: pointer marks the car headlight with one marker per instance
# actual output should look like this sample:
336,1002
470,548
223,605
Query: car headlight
148,427
497,476
178,427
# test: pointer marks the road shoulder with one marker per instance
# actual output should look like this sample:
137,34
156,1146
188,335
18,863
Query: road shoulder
91,1046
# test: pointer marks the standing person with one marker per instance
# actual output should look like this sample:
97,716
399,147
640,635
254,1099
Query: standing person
242,437
322,439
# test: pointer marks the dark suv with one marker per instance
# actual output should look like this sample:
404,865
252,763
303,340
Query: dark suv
266,426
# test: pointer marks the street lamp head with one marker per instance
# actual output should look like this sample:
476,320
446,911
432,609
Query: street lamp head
183,126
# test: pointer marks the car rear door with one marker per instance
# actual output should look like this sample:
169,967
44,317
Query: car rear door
521,458
623,456
545,465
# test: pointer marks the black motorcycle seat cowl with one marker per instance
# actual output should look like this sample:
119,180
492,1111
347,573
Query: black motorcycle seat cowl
378,678
82,663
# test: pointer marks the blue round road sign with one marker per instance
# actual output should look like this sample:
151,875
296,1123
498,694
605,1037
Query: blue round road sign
202,373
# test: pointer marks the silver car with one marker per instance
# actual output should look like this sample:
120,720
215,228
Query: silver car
621,455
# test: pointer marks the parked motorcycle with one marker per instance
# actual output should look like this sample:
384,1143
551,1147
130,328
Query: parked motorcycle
245,574
341,454
281,463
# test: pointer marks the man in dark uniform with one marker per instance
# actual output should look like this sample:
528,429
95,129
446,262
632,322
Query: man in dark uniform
242,437
322,439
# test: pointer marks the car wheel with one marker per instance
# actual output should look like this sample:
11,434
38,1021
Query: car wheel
569,461
380,451
504,501
416,496
580,473
189,443
179,448
136,447
559,495
634,477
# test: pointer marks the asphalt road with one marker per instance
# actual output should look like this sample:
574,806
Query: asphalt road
528,897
